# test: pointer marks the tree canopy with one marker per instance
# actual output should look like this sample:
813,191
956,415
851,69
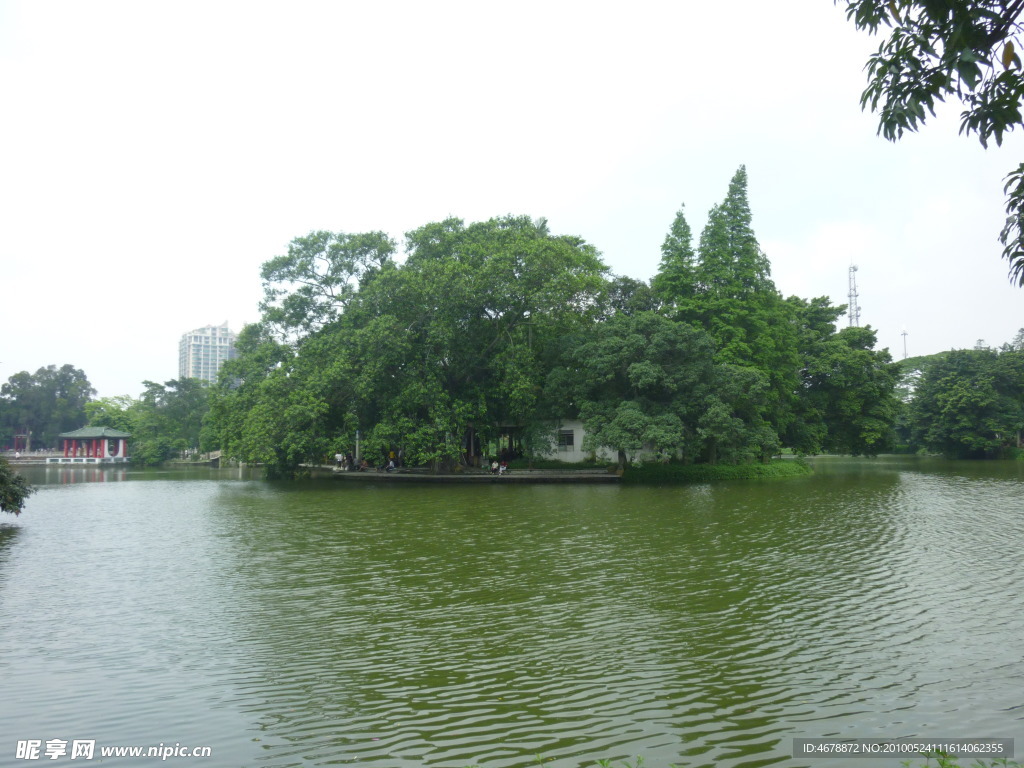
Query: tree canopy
311,285
964,49
45,403
501,328
453,339
638,383
970,403
165,421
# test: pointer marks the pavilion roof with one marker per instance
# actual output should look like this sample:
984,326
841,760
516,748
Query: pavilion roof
93,432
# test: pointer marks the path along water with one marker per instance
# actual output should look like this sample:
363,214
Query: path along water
326,623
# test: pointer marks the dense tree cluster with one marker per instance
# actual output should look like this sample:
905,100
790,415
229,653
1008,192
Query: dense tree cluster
165,421
34,409
43,404
967,403
456,340
503,326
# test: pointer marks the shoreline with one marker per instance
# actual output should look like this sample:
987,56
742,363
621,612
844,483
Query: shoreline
517,476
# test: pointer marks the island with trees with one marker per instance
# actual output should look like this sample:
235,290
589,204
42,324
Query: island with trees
502,329
502,324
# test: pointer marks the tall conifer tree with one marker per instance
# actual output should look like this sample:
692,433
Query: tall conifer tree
782,360
733,295
731,263
726,288
675,282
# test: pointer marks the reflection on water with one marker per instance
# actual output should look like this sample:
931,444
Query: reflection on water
63,475
8,535
322,623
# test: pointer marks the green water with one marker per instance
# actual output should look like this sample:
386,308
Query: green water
331,623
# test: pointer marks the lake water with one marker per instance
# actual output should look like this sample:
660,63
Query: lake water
330,622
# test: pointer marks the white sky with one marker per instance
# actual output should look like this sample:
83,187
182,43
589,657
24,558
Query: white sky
154,154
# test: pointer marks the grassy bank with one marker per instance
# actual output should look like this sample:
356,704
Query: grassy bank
654,474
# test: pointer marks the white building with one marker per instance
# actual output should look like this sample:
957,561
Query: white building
202,352
568,444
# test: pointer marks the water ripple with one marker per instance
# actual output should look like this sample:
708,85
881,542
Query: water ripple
316,625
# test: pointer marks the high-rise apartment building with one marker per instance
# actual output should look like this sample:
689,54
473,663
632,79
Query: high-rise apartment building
202,352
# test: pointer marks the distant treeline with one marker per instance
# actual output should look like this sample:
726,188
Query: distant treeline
966,403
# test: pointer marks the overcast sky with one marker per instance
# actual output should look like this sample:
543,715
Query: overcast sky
154,154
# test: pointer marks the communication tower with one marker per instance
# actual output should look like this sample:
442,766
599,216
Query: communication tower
854,308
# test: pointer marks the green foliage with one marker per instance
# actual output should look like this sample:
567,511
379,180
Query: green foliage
915,365
676,280
731,263
14,489
44,404
416,355
943,760
271,405
964,403
457,334
638,763
500,327
626,296
852,387
733,298
311,285
734,425
284,429
1017,344
970,404
114,412
243,384
967,49
784,374
637,382
166,420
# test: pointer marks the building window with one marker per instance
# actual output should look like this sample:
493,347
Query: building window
566,439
